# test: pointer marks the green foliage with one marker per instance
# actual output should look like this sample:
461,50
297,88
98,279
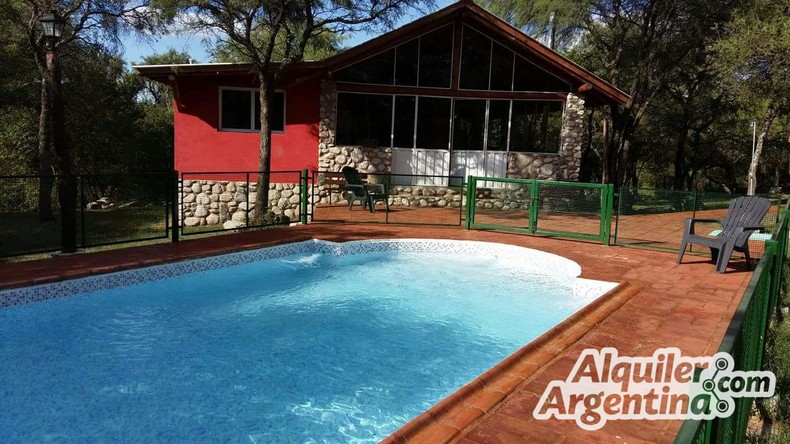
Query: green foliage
318,48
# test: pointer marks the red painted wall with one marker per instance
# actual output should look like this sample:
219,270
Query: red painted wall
200,146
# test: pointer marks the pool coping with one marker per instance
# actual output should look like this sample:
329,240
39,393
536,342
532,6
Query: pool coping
450,418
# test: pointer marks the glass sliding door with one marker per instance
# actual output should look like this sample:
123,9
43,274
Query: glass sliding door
429,151
480,131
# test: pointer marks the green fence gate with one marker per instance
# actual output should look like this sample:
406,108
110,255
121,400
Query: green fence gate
571,210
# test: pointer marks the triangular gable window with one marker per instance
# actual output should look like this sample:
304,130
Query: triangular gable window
423,61
488,65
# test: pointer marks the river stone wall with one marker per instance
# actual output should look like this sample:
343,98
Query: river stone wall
209,202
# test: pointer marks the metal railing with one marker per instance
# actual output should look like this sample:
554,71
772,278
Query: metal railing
570,210
745,340
218,201
653,218
411,199
112,209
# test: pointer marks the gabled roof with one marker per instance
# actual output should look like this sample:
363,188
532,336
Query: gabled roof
584,82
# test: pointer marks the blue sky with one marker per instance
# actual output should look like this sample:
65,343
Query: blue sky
134,48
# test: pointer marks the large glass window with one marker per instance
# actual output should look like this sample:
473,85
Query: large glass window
436,54
477,124
403,125
498,118
475,60
535,126
377,69
364,119
433,123
469,124
240,110
423,61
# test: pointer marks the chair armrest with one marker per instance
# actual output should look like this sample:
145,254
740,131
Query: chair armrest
690,223
707,221
755,228
375,188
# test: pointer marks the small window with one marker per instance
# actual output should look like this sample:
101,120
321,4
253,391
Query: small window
501,68
433,123
403,128
436,52
498,117
364,119
469,124
240,110
406,58
535,126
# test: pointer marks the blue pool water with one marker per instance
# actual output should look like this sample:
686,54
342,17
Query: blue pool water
304,348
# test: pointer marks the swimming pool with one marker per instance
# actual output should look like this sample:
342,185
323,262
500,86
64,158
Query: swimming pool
312,341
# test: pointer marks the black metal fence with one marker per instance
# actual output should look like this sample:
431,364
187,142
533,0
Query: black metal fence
112,208
217,201
135,207
408,199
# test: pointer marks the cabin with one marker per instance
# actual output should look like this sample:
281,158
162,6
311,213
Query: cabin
455,93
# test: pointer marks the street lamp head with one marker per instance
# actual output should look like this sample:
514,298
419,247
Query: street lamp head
52,25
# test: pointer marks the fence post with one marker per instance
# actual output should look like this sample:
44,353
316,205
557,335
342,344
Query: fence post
619,210
82,242
303,200
533,206
471,187
608,203
247,200
176,207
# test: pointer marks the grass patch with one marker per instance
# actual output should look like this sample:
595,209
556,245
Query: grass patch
22,232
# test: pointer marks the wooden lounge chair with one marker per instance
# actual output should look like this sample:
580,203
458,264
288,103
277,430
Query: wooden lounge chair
744,217
366,193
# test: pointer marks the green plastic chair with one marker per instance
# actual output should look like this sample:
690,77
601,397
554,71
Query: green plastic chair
365,193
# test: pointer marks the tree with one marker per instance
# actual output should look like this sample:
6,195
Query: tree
753,60
92,22
272,35
635,46
322,46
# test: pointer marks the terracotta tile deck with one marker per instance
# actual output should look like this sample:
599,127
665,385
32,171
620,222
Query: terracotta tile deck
688,306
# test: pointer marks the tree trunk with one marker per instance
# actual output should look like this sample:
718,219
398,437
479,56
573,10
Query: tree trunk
67,184
45,180
768,120
680,158
266,92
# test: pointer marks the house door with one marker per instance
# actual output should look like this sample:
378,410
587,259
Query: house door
472,151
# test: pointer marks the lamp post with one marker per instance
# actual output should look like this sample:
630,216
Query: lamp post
52,26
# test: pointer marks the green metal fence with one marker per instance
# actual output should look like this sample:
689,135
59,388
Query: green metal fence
562,209
745,340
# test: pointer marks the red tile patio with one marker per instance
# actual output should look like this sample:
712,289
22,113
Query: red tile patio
687,306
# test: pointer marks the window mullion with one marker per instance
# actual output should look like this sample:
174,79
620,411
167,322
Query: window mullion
490,61
509,126
392,123
252,111
414,138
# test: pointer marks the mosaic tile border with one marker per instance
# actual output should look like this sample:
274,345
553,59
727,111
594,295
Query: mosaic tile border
530,260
